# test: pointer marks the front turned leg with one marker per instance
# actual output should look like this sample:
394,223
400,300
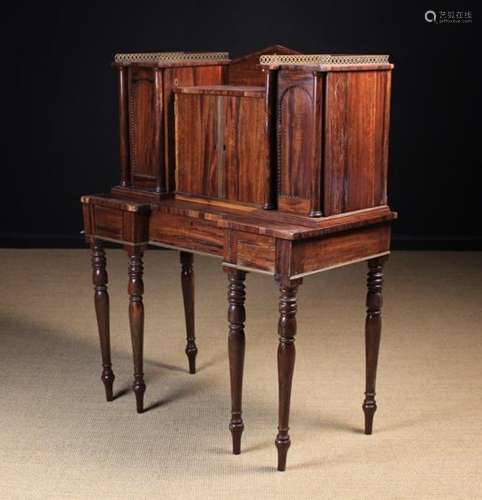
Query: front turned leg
136,321
236,347
373,327
286,364
187,281
101,299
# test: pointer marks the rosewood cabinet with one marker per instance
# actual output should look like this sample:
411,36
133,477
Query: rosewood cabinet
274,162
146,84
333,134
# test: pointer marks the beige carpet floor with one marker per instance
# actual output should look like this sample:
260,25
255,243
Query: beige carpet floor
60,439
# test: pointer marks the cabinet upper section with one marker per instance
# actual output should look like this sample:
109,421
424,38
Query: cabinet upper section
275,129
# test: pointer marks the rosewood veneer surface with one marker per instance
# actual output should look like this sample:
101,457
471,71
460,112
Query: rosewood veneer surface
274,162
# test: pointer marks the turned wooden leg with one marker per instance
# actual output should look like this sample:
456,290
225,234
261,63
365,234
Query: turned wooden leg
236,347
286,364
136,321
373,327
187,280
101,299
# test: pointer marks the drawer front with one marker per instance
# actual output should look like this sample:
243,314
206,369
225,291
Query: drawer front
188,233
115,219
309,256
108,222
256,251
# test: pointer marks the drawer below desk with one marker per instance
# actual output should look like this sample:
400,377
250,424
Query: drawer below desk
132,223
115,220
304,257
238,248
250,251
186,233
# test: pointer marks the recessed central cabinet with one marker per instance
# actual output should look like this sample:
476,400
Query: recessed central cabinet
222,149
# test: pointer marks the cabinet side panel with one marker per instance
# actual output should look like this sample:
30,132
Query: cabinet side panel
246,167
196,144
178,77
356,138
386,91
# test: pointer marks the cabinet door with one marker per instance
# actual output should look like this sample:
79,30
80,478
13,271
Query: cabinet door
246,158
222,148
197,150
145,108
299,141
181,77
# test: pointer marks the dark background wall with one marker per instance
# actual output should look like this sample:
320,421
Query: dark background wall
59,108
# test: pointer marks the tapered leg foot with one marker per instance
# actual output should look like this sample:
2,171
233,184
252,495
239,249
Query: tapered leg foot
236,348
191,353
286,364
139,390
369,409
101,300
136,321
282,444
107,378
187,281
236,428
373,328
